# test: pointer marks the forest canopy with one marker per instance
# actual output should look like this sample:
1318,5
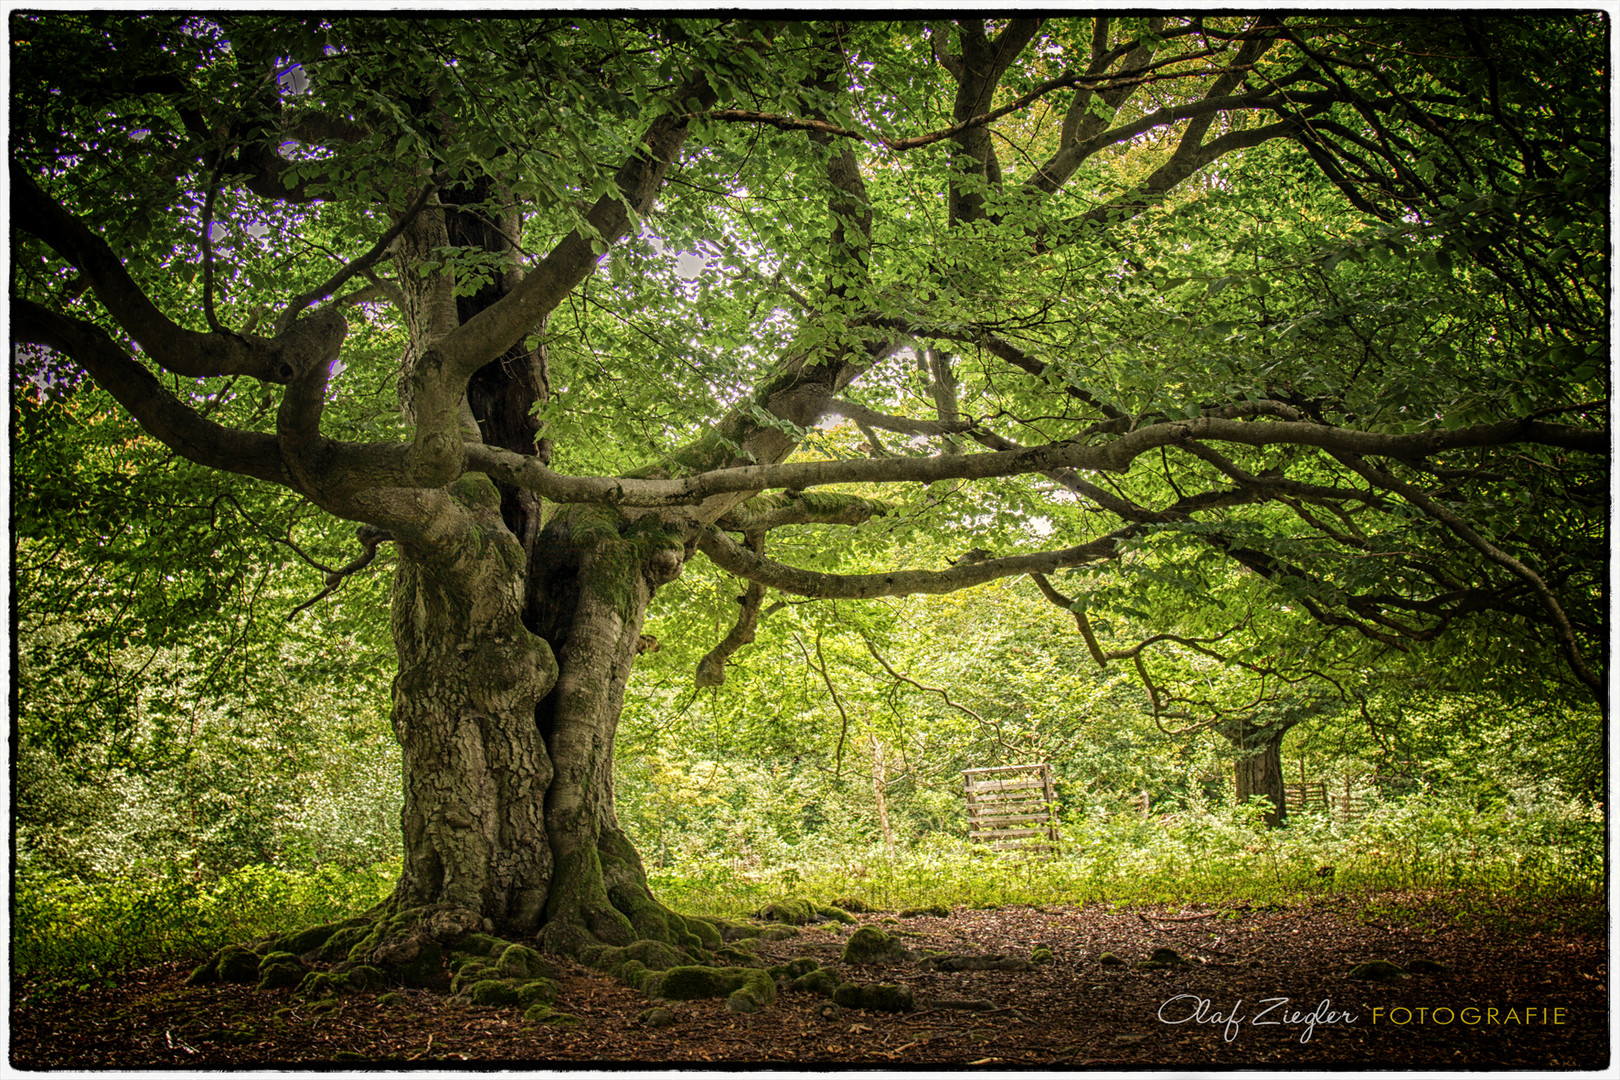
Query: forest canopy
1271,351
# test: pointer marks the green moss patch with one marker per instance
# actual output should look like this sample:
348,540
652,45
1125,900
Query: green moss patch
821,981
232,964
794,968
938,911
744,989
875,997
281,969
869,945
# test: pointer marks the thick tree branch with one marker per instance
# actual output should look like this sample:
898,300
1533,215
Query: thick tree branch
184,352
736,559
1114,456
159,412
765,512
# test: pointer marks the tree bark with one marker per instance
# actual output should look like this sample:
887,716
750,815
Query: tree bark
515,637
1258,769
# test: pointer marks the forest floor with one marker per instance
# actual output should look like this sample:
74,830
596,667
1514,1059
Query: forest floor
1266,986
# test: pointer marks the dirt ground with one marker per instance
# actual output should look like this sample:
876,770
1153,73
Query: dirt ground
1265,987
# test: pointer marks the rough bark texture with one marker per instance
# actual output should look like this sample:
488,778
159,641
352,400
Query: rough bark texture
1259,770
516,635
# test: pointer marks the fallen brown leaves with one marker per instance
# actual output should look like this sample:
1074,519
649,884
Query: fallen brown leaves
1071,1012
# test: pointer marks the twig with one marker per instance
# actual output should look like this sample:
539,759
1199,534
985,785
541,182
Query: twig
360,265
369,538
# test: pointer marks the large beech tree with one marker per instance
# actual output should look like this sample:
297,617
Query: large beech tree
1312,306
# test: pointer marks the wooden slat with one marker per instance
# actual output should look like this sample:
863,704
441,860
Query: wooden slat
1008,796
1041,814
1003,768
1007,785
1008,806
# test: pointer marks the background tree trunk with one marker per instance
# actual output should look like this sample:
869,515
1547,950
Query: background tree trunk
1258,769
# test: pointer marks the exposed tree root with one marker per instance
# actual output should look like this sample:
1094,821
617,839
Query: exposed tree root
600,914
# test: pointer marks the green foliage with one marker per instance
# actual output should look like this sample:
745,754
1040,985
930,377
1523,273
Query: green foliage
64,929
1422,843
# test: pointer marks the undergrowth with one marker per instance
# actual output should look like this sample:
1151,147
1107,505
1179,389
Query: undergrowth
1424,847
67,932
1410,860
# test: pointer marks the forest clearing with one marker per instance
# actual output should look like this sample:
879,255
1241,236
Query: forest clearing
1069,541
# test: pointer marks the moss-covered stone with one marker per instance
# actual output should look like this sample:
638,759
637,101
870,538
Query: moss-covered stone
319,984
545,1014
1041,956
820,981
482,945
854,904
304,941
538,992
874,997
1108,959
470,972
279,970
522,962
342,942
366,977
232,964
657,955
939,911
797,911
656,1017
1378,971
734,954
392,999
869,945
693,981
794,968
426,970
494,992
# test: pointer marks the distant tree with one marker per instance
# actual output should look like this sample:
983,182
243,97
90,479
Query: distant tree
1316,300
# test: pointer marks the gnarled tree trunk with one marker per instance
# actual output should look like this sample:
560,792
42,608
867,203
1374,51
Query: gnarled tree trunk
516,636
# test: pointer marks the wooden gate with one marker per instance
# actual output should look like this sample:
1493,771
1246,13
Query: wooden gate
1012,807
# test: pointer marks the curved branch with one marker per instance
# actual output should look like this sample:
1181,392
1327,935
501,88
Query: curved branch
711,670
730,556
159,412
184,352
359,266
1114,456
941,691
1466,533
369,538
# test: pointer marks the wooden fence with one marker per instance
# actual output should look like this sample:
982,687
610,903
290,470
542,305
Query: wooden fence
1012,807
1314,795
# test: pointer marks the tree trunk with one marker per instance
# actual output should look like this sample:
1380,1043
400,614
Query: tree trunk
1258,769
515,636
512,677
